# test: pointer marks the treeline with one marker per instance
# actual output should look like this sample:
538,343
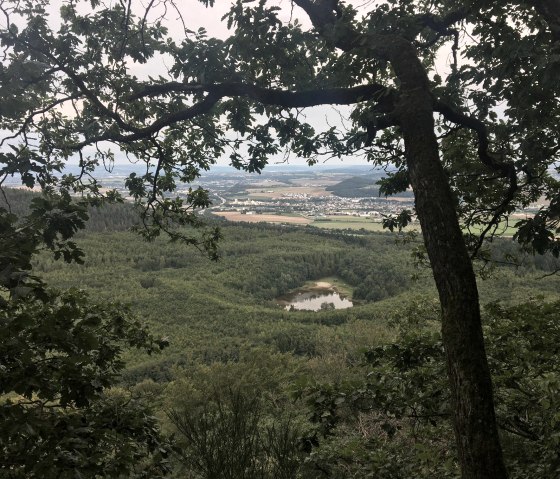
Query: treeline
267,266
367,262
108,217
16,200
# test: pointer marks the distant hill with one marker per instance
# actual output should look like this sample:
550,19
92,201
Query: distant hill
360,186
238,188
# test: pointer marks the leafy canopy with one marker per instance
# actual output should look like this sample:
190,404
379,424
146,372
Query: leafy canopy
60,357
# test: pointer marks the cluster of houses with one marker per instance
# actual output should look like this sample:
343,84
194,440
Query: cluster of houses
317,206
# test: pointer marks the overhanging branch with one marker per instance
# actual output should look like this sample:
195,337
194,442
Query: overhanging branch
474,124
442,24
272,97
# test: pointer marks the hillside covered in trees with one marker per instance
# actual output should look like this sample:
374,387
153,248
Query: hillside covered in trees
360,187
314,394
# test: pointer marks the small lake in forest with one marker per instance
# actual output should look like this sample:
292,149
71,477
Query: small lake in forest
315,298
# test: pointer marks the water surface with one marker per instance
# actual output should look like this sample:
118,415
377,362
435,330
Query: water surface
315,300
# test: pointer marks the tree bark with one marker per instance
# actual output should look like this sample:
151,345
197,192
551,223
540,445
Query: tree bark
476,432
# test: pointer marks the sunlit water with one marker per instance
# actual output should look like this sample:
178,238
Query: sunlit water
315,300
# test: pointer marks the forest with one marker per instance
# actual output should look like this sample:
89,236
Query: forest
359,187
246,388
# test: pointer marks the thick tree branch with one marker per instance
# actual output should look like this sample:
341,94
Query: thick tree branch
472,123
270,96
442,24
326,19
91,96
443,27
199,108
273,97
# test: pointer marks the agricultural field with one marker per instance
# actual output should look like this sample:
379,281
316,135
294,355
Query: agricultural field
353,223
250,218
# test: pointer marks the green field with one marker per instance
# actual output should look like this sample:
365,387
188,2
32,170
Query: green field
352,223
358,223
215,310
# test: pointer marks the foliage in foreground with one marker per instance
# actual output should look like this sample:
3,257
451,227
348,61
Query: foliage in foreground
59,357
238,420
396,423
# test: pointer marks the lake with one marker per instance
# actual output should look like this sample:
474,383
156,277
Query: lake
314,299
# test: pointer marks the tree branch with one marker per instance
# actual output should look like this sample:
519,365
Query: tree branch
270,96
29,119
442,24
506,170
549,10
472,123
273,97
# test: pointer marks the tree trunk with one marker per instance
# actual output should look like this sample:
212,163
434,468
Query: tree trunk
478,443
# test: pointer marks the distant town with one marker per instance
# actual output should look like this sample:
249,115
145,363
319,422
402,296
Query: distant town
338,197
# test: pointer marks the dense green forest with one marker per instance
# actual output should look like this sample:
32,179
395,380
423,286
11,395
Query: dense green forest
248,389
360,187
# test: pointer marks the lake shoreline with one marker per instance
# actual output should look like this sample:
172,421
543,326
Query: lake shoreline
310,297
